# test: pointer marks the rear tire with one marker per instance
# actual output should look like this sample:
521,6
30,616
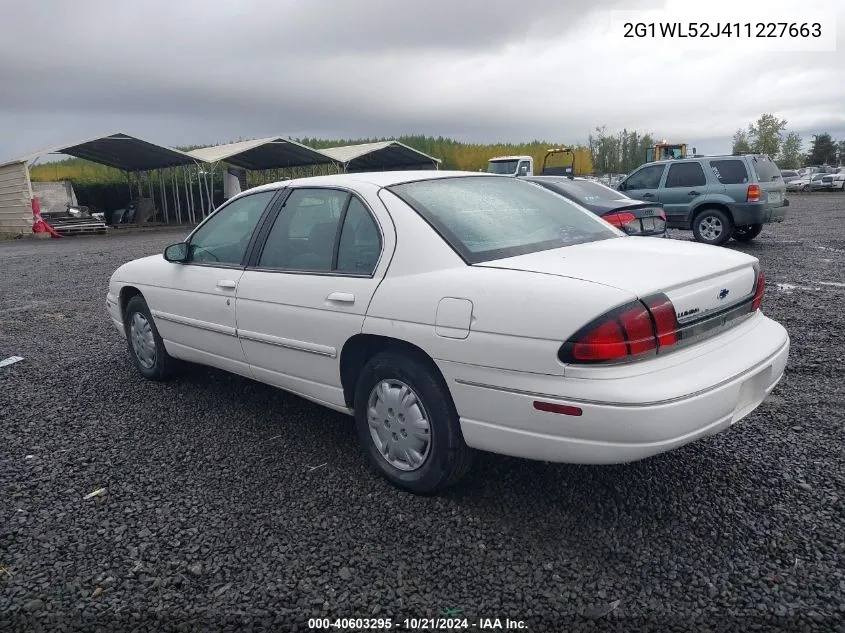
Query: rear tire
712,226
805,188
408,425
145,345
747,233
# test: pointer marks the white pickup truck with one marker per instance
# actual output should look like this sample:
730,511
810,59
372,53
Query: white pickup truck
524,165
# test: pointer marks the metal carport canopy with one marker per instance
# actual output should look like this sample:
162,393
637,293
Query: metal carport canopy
120,151
264,153
380,156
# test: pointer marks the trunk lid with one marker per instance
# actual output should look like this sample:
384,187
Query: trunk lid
697,278
620,206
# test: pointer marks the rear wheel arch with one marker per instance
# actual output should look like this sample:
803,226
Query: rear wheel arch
727,222
381,373
709,206
360,348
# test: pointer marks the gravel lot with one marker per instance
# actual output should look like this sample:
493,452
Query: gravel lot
215,517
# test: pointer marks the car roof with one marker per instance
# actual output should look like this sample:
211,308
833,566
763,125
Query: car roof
690,159
557,178
378,178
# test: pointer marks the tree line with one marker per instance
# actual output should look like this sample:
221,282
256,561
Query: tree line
769,135
605,152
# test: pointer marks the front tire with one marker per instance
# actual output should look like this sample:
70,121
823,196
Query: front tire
747,233
712,226
145,345
408,425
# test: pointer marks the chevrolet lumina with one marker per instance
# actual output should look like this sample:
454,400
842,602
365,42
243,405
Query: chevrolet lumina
450,312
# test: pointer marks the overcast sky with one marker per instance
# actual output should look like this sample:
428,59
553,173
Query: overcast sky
181,72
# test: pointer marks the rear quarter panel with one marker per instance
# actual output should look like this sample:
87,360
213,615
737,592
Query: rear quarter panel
518,319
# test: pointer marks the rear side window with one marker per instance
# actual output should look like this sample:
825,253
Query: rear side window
730,171
766,169
685,175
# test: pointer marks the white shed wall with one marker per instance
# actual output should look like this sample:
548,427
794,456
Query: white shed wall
15,199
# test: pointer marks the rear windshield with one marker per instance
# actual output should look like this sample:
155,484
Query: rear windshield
766,169
486,217
730,171
587,191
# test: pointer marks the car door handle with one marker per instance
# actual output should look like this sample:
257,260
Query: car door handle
648,195
694,193
341,297
227,284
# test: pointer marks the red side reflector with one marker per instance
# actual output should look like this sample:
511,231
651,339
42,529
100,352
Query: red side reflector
550,407
753,193
758,291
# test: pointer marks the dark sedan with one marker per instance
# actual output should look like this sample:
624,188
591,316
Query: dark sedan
632,216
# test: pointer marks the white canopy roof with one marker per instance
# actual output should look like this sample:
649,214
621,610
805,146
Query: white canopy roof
384,155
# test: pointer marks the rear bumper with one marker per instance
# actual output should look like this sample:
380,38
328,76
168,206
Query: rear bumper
758,213
653,408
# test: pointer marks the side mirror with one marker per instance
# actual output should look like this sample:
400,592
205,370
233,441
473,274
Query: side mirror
176,252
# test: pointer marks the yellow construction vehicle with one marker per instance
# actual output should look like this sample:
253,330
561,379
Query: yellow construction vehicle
665,150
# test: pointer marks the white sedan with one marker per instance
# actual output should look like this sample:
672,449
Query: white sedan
452,311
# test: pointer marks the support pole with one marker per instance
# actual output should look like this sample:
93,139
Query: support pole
138,181
177,210
163,195
188,206
210,185
199,190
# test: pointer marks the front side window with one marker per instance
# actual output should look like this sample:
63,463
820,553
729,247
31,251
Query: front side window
323,230
646,178
224,237
485,218
685,175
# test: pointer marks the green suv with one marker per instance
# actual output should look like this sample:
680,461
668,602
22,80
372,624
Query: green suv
717,197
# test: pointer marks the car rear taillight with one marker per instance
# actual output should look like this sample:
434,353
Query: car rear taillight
632,225
621,220
758,291
753,193
665,320
637,328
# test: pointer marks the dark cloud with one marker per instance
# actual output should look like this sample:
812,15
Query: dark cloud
193,71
